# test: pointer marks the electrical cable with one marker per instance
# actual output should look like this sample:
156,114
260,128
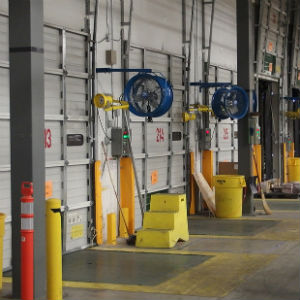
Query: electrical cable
134,168
213,134
106,18
102,127
114,188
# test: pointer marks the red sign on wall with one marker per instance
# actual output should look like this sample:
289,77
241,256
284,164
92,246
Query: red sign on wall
225,133
160,135
48,138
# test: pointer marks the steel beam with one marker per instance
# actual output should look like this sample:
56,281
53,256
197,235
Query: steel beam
245,79
26,56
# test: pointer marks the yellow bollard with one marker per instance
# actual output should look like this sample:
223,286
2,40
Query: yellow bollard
2,226
123,229
111,229
54,255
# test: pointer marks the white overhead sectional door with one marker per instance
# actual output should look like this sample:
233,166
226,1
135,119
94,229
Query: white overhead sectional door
5,203
272,37
295,71
67,131
158,146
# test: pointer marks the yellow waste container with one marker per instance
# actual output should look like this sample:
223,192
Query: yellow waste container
294,169
229,195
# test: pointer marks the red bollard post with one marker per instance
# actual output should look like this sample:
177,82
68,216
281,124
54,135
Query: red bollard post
27,241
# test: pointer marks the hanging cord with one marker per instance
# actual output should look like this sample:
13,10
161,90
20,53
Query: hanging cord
113,186
134,169
102,127
273,121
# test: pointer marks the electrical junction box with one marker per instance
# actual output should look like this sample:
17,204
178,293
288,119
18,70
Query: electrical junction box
288,140
204,139
119,142
254,131
111,57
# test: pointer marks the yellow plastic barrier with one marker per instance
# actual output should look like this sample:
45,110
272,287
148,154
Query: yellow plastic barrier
293,169
2,227
54,255
124,217
229,195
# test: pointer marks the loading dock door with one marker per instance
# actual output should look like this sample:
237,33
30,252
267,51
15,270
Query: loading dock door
67,112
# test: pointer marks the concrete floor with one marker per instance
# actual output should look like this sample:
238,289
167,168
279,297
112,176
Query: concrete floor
259,261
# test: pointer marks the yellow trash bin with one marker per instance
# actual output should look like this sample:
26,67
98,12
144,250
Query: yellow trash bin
294,169
229,195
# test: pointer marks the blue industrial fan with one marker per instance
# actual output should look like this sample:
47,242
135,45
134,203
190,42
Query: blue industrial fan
148,95
230,103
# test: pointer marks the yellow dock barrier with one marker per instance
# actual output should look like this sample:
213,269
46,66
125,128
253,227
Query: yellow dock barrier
2,229
111,229
54,255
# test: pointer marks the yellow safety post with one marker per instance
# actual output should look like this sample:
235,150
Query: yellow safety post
257,150
2,227
293,165
192,184
123,228
285,157
98,203
111,229
292,150
207,166
54,255
127,193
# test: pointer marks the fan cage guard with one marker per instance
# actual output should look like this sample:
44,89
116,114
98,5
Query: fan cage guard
230,103
148,95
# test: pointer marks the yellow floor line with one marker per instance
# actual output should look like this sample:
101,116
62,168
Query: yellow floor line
279,200
257,217
281,211
216,277
230,237
108,286
262,237
244,218
159,251
286,230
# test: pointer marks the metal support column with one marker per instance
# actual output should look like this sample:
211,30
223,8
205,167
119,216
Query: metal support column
27,130
245,57
186,135
206,50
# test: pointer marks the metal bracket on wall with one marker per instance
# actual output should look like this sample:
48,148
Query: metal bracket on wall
208,85
125,70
